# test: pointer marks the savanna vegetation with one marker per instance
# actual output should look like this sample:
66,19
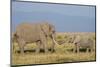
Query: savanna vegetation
63,52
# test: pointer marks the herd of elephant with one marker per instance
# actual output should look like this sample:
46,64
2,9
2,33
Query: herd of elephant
40,32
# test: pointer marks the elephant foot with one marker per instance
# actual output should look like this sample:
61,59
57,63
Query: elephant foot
14,51
22,53
46,50
37,51
74,50
53,50
91,51
87,50
77,51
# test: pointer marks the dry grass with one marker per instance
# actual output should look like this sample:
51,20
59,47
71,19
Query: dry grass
62,54
51,58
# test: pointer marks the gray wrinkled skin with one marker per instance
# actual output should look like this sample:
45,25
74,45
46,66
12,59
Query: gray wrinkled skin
82,42
35,32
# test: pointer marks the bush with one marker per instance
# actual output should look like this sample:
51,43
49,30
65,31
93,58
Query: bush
59,37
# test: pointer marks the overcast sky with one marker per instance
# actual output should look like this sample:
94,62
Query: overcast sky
66,18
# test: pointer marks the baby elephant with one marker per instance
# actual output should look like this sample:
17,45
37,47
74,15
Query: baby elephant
82,42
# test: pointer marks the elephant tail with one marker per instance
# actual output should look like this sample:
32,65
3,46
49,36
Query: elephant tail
14,37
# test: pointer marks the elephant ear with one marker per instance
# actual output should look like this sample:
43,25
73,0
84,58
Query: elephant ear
45,28
77,38
51,28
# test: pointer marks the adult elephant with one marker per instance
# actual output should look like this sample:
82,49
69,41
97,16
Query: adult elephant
35,32
82,41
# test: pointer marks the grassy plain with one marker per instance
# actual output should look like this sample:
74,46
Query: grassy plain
63,53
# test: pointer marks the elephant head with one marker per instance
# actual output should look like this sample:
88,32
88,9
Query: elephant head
49,31
71,38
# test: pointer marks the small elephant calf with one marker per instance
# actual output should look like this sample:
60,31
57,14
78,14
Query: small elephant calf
82,42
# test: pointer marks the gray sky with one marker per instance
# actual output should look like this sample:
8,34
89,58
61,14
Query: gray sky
66,18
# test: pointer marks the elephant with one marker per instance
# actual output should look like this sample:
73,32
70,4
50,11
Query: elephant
35,32
81,41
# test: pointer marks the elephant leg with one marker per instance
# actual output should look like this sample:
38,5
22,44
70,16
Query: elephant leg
45,48
52,46
22,49
21,44
77,49
13,47
87,50
41,47
92,49
44,43
74,50
38,47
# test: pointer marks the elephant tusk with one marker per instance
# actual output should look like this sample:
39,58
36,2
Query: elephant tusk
55,42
